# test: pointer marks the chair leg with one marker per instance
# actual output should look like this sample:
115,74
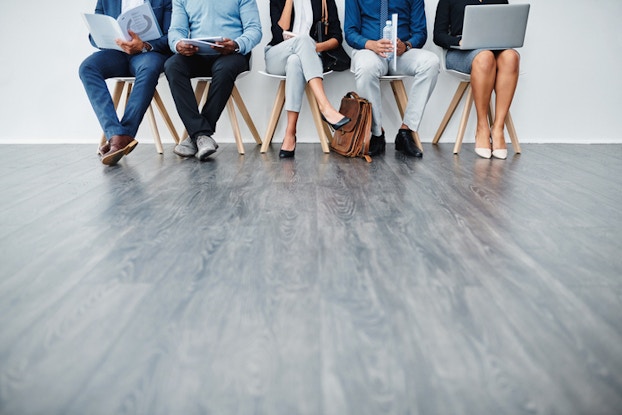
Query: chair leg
154,130
237,98
317,118
235,126
450,111
401,97
279,102
164,113
463,122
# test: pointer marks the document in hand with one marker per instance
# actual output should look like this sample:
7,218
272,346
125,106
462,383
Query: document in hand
205,44
105,30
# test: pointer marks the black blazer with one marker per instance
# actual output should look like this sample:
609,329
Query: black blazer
334,25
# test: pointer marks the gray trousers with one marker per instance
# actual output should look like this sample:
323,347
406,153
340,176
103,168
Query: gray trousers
422,65
297,59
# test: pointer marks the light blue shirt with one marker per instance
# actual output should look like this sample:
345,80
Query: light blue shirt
234,19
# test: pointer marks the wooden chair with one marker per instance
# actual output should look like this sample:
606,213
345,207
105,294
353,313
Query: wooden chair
322,128
465,87
401,98
201,90
120,94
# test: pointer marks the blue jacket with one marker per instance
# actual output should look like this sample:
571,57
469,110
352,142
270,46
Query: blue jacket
362,21
162,10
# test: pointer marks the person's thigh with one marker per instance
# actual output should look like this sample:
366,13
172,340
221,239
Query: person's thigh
367,62
461,60
108,63
415,61
150,63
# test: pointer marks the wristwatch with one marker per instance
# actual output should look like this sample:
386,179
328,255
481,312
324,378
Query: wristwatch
408,46
237,47
147,47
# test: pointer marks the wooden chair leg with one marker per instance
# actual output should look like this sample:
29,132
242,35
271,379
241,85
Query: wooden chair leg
237,98
450,111
509,123
279,102
317,119
235,126
463,121
154,130
401,97
164,113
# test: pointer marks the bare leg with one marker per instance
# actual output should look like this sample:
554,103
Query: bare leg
483,73
330,113
289,141
508,63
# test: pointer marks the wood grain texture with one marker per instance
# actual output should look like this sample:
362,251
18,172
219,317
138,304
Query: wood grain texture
319,285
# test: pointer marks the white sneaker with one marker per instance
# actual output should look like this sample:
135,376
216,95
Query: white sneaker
186,148
206,146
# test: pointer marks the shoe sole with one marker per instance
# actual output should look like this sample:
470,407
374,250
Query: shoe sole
208,153
113,158
184,155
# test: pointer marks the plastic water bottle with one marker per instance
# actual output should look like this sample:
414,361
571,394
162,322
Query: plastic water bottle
387,33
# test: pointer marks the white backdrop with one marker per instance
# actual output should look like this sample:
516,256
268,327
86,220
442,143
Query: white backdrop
571,89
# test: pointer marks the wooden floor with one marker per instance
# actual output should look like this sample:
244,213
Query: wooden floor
323,285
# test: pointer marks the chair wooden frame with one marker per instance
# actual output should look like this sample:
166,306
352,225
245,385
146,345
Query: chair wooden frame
464,87
201,91
323,131
401,99
120,94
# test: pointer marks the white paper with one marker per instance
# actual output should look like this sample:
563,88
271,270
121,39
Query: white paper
205,44
105,30
394,40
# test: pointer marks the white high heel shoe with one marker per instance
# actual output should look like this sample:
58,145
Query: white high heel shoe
484,153
501,153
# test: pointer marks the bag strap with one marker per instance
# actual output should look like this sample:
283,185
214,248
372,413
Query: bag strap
325,17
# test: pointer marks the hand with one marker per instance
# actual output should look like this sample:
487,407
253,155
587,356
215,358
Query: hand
228,46
401,47
382,47
186,49
133,46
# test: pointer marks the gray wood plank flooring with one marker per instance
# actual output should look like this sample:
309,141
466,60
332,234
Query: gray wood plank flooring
320,285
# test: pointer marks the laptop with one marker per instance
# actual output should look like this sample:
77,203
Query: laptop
494,26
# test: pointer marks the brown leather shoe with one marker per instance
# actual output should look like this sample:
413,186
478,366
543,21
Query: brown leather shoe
120,145
104,149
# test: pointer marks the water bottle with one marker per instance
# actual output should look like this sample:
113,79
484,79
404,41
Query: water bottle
387,33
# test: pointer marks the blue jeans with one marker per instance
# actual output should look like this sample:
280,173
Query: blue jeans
104,64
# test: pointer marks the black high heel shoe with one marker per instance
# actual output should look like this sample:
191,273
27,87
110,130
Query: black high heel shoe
339,123
286,154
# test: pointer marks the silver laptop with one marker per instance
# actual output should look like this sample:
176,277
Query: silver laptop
494,26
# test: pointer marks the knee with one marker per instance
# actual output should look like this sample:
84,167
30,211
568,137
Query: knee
509,61
293,65
86,68
484,62
366,70
172,66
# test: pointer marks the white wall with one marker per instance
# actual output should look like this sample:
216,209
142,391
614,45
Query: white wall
571,90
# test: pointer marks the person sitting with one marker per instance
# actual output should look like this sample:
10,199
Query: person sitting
490,70
364,21
293,52
140,59
238,23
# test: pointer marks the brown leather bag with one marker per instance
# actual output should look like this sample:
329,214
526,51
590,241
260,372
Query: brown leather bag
352,140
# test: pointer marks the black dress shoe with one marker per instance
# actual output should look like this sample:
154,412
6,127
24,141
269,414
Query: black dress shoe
377,145
405,143
287,154
339,123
